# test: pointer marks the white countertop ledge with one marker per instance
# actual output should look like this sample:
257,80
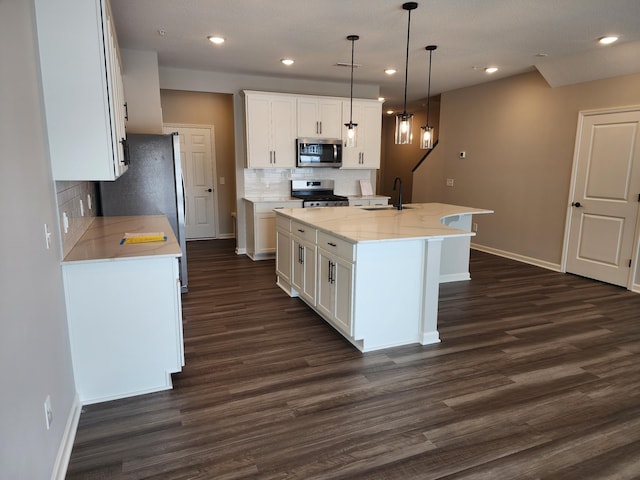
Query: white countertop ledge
355,224
101,241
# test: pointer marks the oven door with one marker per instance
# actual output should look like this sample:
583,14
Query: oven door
315,152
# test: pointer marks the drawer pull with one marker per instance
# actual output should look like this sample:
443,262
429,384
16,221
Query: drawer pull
332,244
300,230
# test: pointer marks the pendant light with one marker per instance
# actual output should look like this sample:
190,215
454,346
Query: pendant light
404,120
426,132
351,140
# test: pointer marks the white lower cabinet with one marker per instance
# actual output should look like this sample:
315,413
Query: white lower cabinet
261,226
125,326
303,267
335,287
367,202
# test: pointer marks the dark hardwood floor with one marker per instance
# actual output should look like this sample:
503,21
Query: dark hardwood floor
537,376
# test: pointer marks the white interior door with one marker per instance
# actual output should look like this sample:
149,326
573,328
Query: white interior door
198,170
603,216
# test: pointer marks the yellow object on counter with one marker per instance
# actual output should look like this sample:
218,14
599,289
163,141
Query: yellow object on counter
143,237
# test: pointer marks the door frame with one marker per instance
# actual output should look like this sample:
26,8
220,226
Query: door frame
633,281
214,172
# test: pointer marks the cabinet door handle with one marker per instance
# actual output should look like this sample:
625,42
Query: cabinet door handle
126,111
301,254
274,157
125,150
320,127
333,272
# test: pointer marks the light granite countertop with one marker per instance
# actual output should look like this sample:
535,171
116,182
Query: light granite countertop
101,241
356,224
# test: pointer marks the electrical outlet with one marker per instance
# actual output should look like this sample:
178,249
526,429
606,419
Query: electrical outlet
65,222
222,180
449,182
48,412
462,154
81,208
475,227
47,236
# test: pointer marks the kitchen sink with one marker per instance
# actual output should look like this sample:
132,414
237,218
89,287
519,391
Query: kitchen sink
383,207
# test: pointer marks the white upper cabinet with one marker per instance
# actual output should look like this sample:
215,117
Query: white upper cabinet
368,115
271,130
319,117
82,87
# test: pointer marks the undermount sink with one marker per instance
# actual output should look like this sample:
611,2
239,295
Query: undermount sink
383,207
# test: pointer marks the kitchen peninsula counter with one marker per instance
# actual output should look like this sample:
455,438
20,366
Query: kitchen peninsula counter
123,309
101,241
374,273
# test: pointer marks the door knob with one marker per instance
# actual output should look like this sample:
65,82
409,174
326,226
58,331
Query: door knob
576,204
210,190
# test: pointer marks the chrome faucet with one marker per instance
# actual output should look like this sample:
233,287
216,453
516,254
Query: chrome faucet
395,181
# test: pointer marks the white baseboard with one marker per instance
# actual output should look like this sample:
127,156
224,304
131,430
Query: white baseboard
520,258
429,338
241,251
69,436
224,236
455,277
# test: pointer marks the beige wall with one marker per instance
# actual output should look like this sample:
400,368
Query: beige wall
34,340
399,160
203,108
518,134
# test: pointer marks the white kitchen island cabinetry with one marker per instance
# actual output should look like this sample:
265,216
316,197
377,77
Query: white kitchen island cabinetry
82,87
123,310
319,117
335,281
366,154
270,130
303,266
378,272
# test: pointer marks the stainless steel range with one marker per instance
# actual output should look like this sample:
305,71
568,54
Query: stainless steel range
317,193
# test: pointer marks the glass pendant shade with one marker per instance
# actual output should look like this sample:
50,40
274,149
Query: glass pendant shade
404,120
426,132
352,135
404,125
426,137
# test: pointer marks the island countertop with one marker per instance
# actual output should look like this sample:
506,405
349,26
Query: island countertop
101,241
358,224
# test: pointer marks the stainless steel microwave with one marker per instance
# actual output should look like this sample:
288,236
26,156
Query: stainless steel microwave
319,152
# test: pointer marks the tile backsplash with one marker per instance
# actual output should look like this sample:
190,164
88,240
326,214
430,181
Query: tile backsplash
76,202
275,182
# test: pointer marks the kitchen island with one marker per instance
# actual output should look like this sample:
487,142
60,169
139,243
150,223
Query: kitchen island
374,273
124,309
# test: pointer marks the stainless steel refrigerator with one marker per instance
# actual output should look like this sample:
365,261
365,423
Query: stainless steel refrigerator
151,185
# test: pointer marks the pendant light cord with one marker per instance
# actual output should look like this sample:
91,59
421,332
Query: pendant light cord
353,42
406,65
429,87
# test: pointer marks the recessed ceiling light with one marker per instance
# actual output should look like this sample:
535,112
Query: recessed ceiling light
216,40
287,61
381,99
608,40
389,112
491,69
390,71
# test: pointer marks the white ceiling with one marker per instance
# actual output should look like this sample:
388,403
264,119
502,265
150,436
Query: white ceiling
470,35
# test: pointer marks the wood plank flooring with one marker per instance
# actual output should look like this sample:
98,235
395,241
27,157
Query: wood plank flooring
537,376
